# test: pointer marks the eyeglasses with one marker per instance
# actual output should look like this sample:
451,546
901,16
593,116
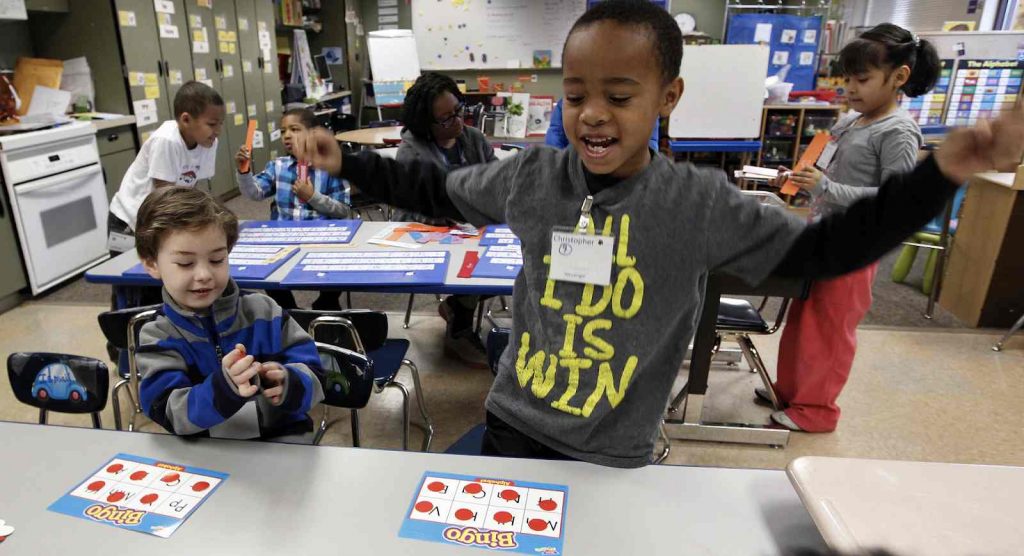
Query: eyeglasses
456,114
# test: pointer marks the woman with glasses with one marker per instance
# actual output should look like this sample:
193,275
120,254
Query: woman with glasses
434,131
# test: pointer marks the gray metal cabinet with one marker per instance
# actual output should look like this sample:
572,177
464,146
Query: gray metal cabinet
252,75
12,272
206,64
155,69
267,44
117,150
232,81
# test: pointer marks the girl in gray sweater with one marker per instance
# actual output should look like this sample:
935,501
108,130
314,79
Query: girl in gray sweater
873,143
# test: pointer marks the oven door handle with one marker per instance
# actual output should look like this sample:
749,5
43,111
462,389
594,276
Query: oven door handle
52,181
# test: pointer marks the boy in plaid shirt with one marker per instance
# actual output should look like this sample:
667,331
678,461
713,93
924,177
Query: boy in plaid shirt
318,196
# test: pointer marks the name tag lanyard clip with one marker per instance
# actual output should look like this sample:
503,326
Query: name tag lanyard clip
584,221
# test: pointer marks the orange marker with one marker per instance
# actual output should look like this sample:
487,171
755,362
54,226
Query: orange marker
249,135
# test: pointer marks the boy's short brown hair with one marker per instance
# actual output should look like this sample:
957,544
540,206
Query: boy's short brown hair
194,97
306,116
172,208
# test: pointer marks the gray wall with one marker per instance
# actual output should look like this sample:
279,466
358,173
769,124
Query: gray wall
15,41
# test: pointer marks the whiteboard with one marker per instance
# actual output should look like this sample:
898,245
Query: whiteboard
393,55
723,92
469,34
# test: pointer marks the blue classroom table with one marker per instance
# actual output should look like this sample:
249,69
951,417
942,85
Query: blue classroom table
112,271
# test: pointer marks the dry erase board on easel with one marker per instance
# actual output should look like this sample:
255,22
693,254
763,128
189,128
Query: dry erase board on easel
492,34
723,92
393,63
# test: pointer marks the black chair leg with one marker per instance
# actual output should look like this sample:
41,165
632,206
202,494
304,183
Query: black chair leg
355,428
42,416
96,421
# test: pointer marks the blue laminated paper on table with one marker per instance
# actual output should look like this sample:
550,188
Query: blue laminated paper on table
248,262
369,268
498,234
140,494
495,514
499,261
293,232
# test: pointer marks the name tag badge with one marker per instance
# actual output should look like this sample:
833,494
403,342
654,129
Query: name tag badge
120,242
581,258
826,156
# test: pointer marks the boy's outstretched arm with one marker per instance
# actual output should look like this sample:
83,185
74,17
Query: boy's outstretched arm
413,185
869,228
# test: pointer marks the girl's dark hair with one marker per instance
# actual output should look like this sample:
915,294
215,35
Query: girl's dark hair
418,110
666,38
889,46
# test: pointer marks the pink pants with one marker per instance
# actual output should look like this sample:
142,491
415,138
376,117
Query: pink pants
817,348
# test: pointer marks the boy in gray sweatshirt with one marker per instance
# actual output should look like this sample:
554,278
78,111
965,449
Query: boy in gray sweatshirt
588,368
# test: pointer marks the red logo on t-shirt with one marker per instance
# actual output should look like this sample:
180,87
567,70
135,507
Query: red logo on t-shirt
187,178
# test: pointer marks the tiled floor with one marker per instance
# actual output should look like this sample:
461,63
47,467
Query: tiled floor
913,394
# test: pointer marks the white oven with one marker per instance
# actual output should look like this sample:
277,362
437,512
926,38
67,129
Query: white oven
55,185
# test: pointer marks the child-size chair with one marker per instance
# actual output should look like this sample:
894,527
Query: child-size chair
366,332
59,382
121,328
347,381
930,237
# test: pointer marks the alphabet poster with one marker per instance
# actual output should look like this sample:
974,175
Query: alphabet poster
140,494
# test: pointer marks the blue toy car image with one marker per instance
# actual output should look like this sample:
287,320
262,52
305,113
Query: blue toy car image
56,382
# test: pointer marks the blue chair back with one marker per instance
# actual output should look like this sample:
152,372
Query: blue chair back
497,341
935,226
347,376
59,382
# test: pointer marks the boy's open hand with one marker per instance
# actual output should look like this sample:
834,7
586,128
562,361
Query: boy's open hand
303,189
320,149
272,376
241,368
242,156
996,145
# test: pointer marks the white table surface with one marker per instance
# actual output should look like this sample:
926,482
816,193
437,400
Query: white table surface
286,499
910,507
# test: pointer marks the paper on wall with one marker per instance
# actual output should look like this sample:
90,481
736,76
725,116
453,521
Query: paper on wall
763,32
145,112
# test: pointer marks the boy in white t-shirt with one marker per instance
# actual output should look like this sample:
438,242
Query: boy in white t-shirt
179,152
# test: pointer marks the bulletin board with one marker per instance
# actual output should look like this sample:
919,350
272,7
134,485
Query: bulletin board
492,34
793,40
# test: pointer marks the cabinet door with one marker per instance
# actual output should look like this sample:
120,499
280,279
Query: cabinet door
206,68
230,71
143,64
172,31
12,272
249,47
271,81
115,166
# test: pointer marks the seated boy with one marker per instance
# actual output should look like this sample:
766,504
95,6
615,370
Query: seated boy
595,349
217,361
318,196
